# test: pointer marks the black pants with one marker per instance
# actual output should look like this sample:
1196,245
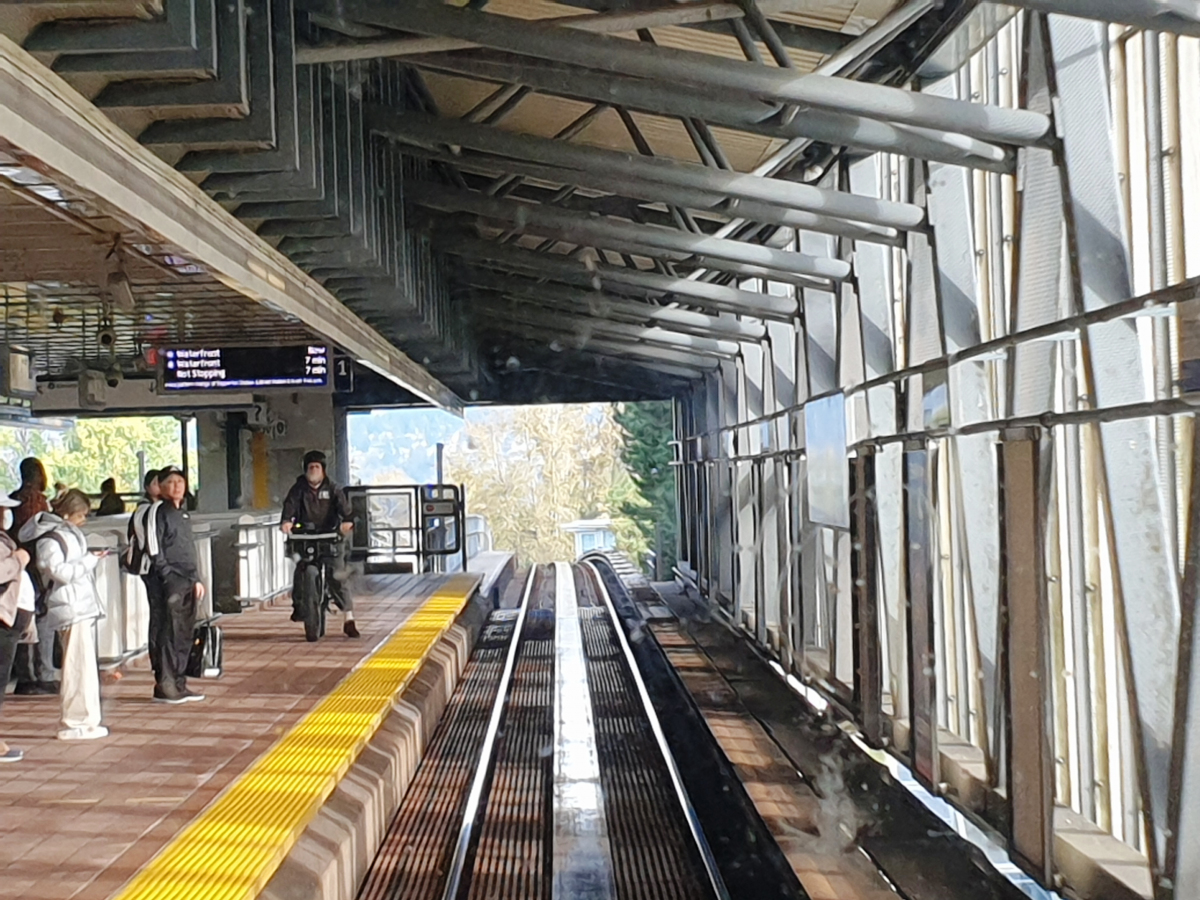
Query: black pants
9,638
340,597
172,622
34,663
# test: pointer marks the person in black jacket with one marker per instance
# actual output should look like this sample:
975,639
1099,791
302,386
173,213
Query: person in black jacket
111,503
177,572
319,506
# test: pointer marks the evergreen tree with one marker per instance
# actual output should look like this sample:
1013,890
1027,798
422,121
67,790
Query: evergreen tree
646,451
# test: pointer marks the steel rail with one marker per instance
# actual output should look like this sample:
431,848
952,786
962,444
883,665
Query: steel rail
487,762
697,831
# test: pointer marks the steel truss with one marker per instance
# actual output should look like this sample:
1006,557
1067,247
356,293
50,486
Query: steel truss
958,495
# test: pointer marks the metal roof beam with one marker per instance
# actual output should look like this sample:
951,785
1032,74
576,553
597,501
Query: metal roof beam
704,71
635,192
621,348
597,167
1175,16
593,325
601,23
731,110
640,368
595,303
717,297
618,235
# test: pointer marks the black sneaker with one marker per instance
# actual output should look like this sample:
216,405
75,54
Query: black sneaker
351,629
189,696
36,688
161,696
297,616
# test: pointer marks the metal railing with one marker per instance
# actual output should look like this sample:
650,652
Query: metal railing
407,528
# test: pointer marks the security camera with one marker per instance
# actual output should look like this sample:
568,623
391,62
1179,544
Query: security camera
106,338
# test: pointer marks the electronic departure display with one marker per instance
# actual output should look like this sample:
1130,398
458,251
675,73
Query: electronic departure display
245,368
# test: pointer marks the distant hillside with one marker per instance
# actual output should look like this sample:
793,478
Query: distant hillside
396,446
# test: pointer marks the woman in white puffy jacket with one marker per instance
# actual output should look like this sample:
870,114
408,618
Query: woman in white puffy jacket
66,567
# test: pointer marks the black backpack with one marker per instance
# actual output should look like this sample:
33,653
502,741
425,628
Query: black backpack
41,583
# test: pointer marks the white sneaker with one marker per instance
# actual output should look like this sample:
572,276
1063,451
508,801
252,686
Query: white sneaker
83,733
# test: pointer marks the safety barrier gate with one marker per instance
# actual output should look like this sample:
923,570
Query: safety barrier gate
407,528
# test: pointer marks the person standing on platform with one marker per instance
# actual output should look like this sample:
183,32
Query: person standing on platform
178,574
142,546
319,506
111,503
35,660
67,568
16,613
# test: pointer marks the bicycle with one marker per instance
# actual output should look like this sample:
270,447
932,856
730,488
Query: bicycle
317,554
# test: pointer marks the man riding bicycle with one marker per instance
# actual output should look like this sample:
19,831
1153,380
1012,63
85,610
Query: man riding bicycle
316,505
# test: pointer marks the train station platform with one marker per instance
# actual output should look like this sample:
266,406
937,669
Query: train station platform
276,732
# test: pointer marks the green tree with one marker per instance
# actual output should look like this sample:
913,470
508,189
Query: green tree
648,430
531,470
94,449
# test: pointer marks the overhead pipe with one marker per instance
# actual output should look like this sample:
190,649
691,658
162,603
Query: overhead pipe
601,166
717,297
598,304
617,235
704,71
636,189
606,328
730,110
643,367
619,347
1175,16
620,372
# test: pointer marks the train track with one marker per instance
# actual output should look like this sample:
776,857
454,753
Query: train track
549,775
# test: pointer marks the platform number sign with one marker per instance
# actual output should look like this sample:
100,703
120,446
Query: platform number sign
343,375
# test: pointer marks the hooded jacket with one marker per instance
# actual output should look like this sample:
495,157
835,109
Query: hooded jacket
67,567
10,581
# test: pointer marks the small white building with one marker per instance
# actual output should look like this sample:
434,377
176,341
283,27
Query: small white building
591,534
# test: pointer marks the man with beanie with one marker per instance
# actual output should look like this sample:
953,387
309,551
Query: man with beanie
319,506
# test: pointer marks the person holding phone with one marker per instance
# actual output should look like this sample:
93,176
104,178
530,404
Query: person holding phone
67,567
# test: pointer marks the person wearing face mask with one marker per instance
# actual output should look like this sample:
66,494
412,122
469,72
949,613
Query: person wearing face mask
67,569
16,612
177,572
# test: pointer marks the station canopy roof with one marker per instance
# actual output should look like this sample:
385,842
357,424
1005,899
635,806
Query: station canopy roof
518,201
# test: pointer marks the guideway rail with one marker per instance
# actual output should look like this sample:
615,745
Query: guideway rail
572,790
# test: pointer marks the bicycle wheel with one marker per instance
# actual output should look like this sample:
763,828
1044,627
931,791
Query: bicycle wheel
312,604
324,595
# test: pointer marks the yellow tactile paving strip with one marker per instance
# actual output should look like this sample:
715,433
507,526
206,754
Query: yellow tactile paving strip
231,850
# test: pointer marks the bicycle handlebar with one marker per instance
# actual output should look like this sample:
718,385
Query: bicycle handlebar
299,536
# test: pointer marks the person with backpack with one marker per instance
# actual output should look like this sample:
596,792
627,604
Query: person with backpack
35,658
177,571
67,568
16,613
142,546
